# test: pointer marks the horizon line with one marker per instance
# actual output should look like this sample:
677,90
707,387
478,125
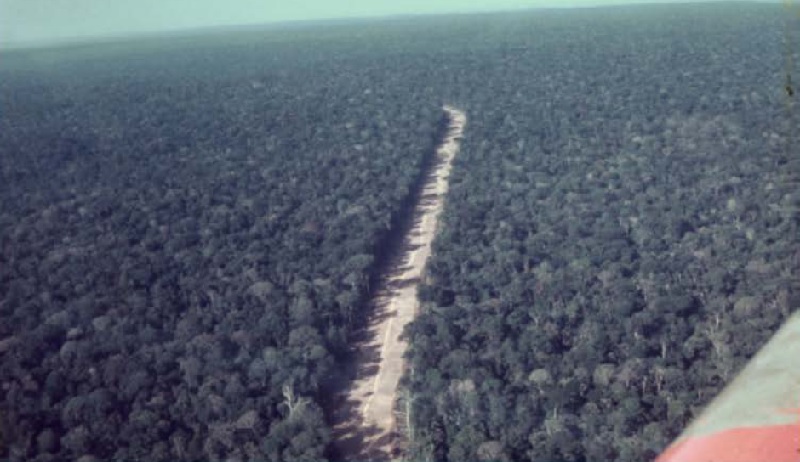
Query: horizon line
89,39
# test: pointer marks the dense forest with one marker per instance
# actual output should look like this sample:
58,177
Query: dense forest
620,237
187,238
189,228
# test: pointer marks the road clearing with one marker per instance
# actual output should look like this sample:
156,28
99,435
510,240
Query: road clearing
364,426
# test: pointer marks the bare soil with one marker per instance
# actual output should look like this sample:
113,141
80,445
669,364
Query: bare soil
364,426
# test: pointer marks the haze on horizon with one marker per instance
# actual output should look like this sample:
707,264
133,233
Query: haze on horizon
51,21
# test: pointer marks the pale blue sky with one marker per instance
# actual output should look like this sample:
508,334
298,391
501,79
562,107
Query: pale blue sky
23,21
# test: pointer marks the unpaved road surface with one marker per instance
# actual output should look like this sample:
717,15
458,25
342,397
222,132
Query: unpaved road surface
363,420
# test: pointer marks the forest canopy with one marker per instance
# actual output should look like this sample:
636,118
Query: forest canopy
189,229
186,247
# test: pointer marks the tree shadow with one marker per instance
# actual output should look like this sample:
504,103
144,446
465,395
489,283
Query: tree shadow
354,439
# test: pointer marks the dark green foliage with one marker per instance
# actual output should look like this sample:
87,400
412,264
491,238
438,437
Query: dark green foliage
614,245
187,231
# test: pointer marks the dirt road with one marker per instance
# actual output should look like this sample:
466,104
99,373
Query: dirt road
364,422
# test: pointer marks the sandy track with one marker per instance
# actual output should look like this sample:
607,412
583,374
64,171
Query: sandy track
363,420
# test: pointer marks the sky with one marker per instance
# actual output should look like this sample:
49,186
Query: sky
43,21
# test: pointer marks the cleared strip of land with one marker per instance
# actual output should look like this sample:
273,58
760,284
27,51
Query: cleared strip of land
364,423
